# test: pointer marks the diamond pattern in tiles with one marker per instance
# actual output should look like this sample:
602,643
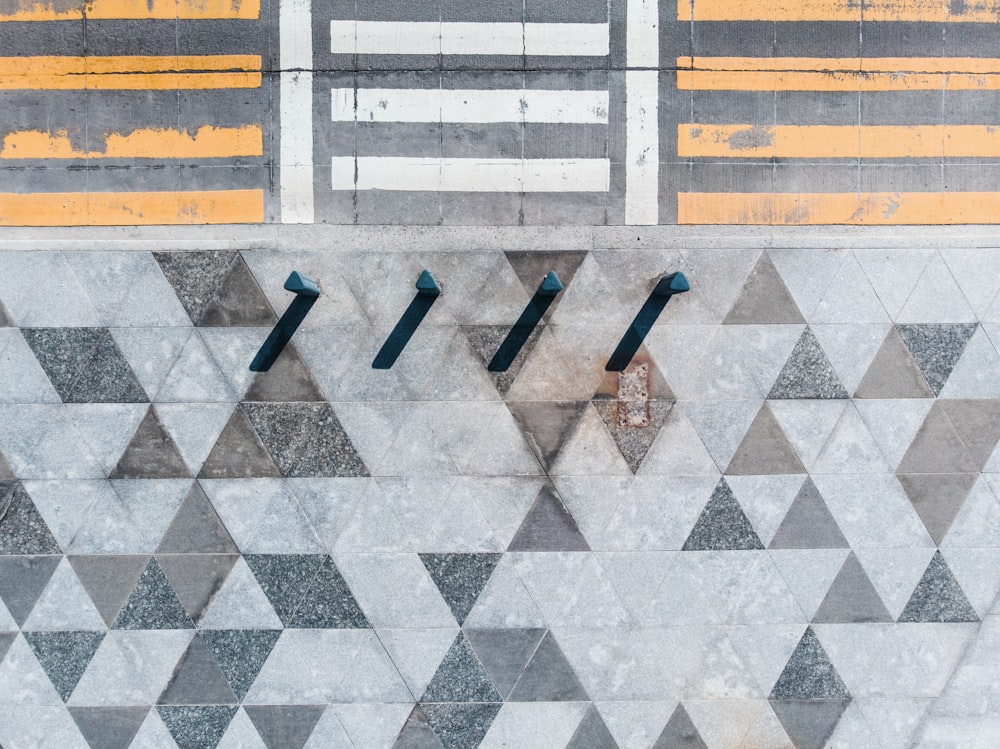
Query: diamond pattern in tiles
196,726
64,656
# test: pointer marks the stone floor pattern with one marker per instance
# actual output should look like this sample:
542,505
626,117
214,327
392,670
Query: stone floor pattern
788,536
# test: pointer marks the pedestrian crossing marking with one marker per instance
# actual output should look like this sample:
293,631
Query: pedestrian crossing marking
207,142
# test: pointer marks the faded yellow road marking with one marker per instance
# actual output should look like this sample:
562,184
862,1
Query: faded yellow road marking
920,11
55,10
125,208
131,72
148,143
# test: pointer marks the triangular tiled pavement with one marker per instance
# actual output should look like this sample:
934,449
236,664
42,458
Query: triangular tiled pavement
151,453
285,578
240,654
197,680
153,604
64,604
633,442
937,448
548,526
938,597
6,639
852,598
328,603
532,267
893,372
592,733
5,318
6,472
196,578
977,422
809,674
416,733
196,528
505,652
936,349
809,723
808,523
238,453
548,677
22,528
764,298
22,580
461,677
680,732
196,726
764,449
288,379
108,579
485,340
240,603
109,727
460,578
807,373
64,656
722,525
284,726
461,725
546,425
937,498
216,288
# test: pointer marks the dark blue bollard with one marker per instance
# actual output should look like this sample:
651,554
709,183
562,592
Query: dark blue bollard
298,283
426,285
666,287
551,285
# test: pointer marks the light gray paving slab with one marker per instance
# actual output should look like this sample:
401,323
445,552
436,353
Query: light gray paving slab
893,423
151,352
592,501
852,730
807,274
724,722
635,725
240,603
977,524
808,424
700,364
63,605
329,733
534,725
22,380
22,680
973,271
41,442
678,450
242,733
764,349
195,377
850,298
765,500
505,601
976,574
23,274
721,425
971,376
895,573
153,733
894,720
894,274
106,429
888,523
26,726
720,274
372,724
590,450
936,297
417,652
851,448
850,348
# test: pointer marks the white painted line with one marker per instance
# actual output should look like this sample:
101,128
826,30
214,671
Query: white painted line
642,36
295,156
642,150
471,175
469,105
447,38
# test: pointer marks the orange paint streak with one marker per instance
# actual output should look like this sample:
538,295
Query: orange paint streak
919,11
132,208
149,143
131,9
130,72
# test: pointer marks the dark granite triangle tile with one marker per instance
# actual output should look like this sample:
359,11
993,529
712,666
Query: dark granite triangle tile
328,603
22,528
288,379
238,453
809,674
764,298
284,726
852,598
238,301
196,578
63,353
285,578
6,638
548,677
937,498
153,604
241,654
938,597
197,726
109,727
197,680
64,656
809,723
505,653
764,450
195,277
417,733
460,578
151,453
977,422
461,677
546,425
808,523
109,579
196,527
548,526
893,373
937,448
22,580
107,377
722,525
485,340
807,373
633,442
680,732
6,472
937,349
532,267
592,733
461,726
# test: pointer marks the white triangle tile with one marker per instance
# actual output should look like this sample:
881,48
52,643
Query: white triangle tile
329,733
656,664
195,377
370,675
852,731
592,501
504,501
678,450
723,676
894,273
974,376
977,524
534,725
809,573
65,505
636,576
151,506
417,653
766,730
577,303
766,648
591,652
107,428
22,274
721,275
22,679
194,429
978,574
683,598
549,577
108,528
893,665
64,605
41,442
332,355
658,513
460,527
807,274
765,500
851,348
895,573
330,503
635,725
850,448
482,287
373,427
590,450
893,423
723,723
546,371
853,650
30,726
891,523
153,733
808,424
992,315
373,527
240,603
765,597
151,352
764,349
894,721
459,375
593,600
417,449
938,648
977,272
417,501
722,425
850,298
22,379
936,298
372,726
262,516
700,363
232,350
7,623
498,448
241,734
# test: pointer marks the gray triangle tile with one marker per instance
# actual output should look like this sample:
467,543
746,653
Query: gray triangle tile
6,639
764,298
288,379
978,425
546,425
765,449
285,726
194,430
109,579
238,453
196,578
64,656
417,733
460,578
937,349
532,267
6,472
196,726
196,528
893,373
548,526
852,598
64,605
22,528
107,377
238,301
153,604
151,453
195,277
809,723
680,732
937,448
809,674
505,653
850,298
285,578
197,680
807,373
592,733
938,597
808,523
240,654
548,677
633,442
109,727
5,319
485,340
328,603
22,580
460,726
461,677
63,353
722,525
937,498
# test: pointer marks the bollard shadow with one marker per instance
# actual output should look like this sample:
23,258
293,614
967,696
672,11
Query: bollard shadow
403,331
519,334
282,333
636,333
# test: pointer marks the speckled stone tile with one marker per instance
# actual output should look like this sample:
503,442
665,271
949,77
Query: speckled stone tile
807,373
485,340
22,528
936,349
194,276
809,674
722,525
461,677
153,604
328,603
634,442
197,679
64,656
460,578
285,578
458,726
938,597
240,654
196,726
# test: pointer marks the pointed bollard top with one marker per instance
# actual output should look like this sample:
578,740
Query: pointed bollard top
675,283
426,285
551,285
302,284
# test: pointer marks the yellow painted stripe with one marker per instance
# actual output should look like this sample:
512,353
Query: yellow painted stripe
920,11
838,141
147,143
53,10
983,65
831,80
131,72
132,208
839,208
